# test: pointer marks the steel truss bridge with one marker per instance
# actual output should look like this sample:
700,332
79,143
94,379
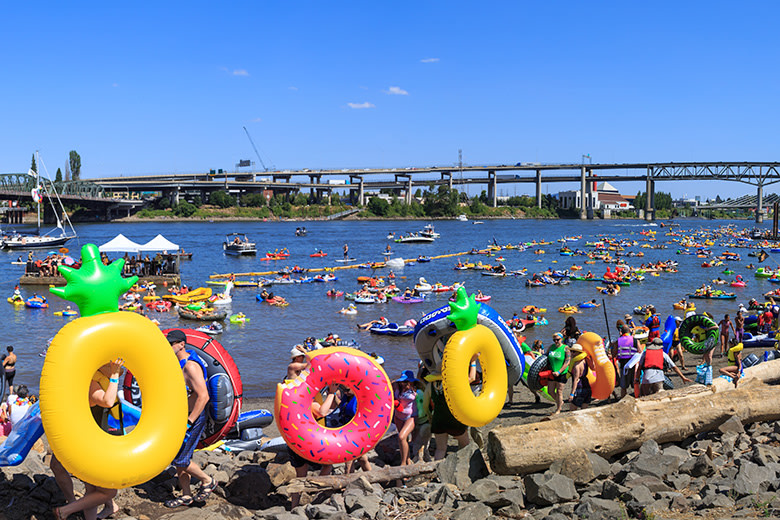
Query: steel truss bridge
19,186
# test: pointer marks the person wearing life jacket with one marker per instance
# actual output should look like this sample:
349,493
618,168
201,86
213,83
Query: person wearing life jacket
734,368
197,399
651,366
653,323
581,394
623,350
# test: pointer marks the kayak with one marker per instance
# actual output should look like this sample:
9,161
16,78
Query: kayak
713,297
318,255
391,329
401,299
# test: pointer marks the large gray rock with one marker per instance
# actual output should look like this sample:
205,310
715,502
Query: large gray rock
482,490
679,481
577,466
506,481
654,484
320,511
700,466
764,455
367,507
716,500
549,489
655,465
463,467
650,447
599,509
732,424
600,465
675,451
443,496
612,490
640,495
475,511
752,479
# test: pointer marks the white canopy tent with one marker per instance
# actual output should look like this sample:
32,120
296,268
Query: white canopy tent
159,243
120,244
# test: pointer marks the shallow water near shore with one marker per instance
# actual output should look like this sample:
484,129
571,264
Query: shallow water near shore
261,346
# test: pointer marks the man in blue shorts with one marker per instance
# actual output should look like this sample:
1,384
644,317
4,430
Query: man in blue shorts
197,398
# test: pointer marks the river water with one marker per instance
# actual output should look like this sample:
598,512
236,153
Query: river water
261,347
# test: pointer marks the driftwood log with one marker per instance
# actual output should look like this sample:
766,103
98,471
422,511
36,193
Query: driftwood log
608,430
336,482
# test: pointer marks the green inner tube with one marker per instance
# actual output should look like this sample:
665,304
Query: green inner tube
698,342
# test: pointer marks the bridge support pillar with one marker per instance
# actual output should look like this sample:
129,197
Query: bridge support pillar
175,197
492,188
409,191
649,199
583,211
589,206
760,205
361,194
539,189
448,176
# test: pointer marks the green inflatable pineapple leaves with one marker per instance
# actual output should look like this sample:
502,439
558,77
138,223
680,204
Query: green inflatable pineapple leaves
96,287
464,310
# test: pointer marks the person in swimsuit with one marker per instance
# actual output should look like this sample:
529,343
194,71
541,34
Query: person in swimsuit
404,412
197,399
100,401
346,251
9,367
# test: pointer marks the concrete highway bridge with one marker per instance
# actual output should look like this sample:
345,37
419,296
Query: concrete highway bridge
403,181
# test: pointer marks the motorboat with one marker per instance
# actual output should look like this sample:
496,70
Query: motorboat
238,244
462,218
414,238
300,232
428,231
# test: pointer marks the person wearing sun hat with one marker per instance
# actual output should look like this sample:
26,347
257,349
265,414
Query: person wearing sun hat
297,362
405,394
629,321
651,365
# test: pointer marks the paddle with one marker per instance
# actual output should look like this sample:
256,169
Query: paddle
606,320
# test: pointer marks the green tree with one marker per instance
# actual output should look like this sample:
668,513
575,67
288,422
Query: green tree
74,159
254,200
378,207
222,199
58,176
301,200
184,209
33,166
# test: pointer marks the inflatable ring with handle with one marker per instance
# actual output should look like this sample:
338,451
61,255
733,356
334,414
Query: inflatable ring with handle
698,334
78,350
470,339
604,382
348,367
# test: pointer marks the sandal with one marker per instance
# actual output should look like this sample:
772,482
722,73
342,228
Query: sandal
184,500
206,490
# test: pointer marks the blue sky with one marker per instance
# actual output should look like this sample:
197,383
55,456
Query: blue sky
167,87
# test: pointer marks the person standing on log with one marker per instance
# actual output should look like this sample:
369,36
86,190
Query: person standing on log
651,365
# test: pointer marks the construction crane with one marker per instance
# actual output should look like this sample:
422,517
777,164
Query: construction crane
265,168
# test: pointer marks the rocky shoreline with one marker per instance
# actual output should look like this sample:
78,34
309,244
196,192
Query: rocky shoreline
729,472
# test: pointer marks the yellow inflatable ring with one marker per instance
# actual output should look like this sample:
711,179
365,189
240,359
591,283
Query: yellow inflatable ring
467,408
77,351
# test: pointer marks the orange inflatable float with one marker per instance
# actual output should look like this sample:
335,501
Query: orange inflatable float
604,381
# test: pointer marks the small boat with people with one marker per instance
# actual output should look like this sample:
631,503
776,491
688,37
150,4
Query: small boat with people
391,329
238,244
202,314
414,238
212,329
300,232
429,231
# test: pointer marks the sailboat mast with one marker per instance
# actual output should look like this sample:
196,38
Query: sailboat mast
37,183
